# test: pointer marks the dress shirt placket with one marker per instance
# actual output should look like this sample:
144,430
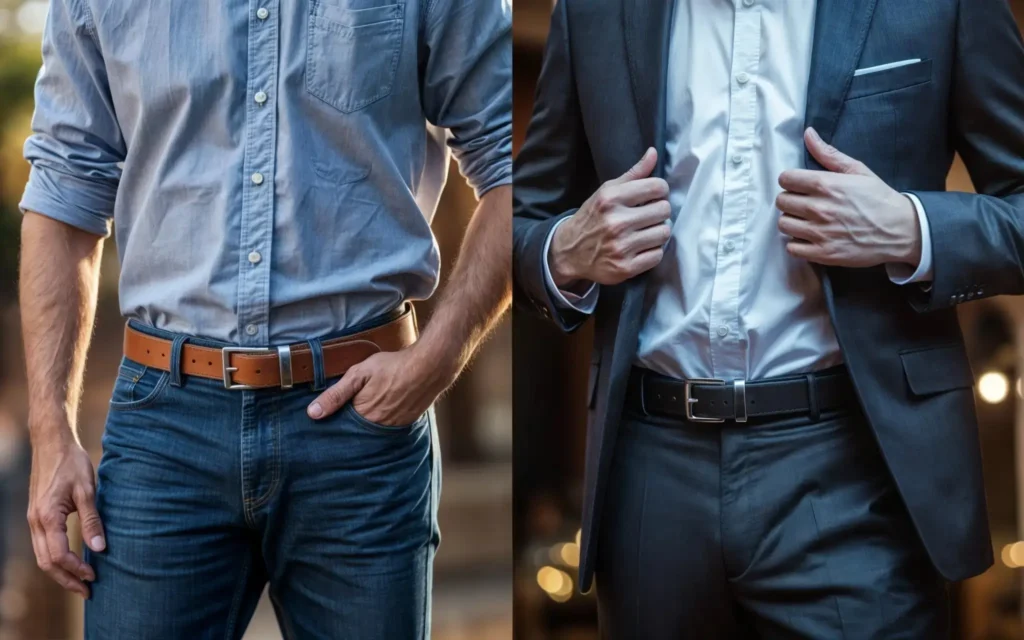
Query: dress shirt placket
727,349
257,222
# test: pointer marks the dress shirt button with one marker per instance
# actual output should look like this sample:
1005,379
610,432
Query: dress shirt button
723,330
260,97
748,3
729,245
737,158
742,77
255,257
257,178
262,13
251,329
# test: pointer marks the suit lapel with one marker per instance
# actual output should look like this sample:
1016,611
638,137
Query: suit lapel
647,25
840,30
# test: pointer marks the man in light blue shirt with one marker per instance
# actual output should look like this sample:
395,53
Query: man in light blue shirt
271,172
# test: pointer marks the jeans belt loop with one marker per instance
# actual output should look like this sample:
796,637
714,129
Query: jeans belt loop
176,348
317,351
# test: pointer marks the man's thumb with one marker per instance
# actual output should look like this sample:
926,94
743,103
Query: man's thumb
92,527
641,169
831,158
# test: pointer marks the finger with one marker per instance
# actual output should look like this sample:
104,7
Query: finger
831,158
640,192
636,218
60,551
89,518
804,181
653,237
807,251
794,204
645,261
338,394
641,169
797,228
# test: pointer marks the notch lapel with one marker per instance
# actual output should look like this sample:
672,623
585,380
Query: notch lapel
840,30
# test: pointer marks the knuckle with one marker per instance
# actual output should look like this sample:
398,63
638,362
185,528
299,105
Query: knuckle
49,519
603,201
44,564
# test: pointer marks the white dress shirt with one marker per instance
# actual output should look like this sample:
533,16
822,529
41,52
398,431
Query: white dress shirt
727,300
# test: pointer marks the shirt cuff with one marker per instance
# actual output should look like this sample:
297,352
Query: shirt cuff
900,273
567,300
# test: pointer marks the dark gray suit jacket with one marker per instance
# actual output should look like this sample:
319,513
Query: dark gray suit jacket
600,103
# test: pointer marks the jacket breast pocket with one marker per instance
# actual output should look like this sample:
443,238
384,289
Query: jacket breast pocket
937,369
352,53
888,80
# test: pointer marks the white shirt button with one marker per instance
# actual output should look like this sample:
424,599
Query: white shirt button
262,13
729,246
255,257
737,158
260,97
723,330
251,329
742,77
257,178
748,3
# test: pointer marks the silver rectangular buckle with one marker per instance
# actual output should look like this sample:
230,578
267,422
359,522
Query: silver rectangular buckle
227,369
690,401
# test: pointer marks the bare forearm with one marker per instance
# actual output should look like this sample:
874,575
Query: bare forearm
480,287
58,287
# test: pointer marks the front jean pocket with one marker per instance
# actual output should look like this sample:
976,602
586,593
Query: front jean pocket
384,429
352,54
137,386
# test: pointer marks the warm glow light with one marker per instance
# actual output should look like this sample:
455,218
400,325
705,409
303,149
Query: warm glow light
1013,555
993,387
579,533
568,553
555,582
1020,391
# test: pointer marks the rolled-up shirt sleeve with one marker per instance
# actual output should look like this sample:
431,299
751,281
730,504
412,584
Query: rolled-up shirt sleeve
467,85
76,145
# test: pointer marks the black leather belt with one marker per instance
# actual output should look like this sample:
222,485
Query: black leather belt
703,400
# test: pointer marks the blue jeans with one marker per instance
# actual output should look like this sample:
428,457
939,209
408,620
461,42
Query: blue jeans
207,495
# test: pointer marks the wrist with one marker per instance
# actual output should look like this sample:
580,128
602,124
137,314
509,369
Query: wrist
435,359
563,272
911,253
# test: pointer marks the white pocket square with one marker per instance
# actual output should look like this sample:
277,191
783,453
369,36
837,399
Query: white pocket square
885,67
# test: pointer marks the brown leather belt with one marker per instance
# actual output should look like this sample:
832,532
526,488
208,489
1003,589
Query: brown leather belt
284,366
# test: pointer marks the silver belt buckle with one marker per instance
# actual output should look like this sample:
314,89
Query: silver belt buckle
689,401
227,369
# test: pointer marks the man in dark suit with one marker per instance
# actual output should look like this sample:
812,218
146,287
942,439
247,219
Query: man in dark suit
782,435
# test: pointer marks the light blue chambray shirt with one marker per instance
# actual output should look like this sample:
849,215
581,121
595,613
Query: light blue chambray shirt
271,168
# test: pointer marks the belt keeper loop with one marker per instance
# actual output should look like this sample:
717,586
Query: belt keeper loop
812,397
643,393
739,392
317,351
176,349
284,363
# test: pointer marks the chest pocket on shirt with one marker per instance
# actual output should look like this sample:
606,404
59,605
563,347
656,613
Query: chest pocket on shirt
352,53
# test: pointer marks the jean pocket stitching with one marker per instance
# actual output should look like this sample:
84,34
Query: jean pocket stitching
383,429
150,398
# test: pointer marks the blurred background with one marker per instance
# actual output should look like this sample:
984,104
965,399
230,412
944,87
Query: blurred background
550,426
473,571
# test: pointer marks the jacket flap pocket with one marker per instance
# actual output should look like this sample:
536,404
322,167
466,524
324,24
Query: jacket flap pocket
937,369
890,79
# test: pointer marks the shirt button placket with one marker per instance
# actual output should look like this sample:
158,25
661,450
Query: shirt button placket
258,197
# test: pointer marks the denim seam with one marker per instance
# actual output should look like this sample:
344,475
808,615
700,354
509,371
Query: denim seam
236,601
275,468
245,463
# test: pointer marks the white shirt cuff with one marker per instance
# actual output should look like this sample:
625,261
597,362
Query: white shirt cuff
900,273
567,300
